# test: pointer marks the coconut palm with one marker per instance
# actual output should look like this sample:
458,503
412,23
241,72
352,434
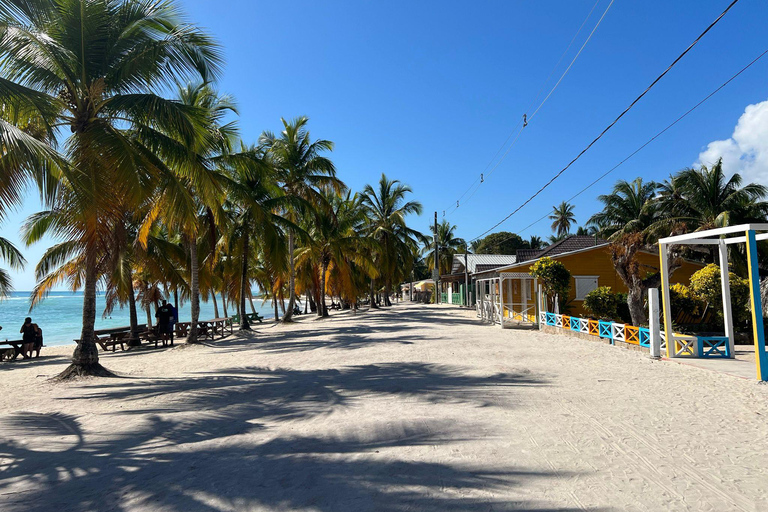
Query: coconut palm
97,68
535,242
630,220
562,218
448,244
704,199
303,172
254,200
387,207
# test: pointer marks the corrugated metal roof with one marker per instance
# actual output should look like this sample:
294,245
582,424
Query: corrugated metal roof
481,262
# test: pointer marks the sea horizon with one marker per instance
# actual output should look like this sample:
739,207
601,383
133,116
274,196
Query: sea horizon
59,315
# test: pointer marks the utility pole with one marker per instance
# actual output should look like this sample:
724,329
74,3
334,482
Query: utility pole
436,271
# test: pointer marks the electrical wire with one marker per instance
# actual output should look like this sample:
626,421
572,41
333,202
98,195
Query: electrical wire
612,124
646,143
453,207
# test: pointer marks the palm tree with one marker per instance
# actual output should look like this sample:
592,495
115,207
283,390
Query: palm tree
448,245
190,197
14,258
97,68
704,199
303,172
629,219
535,242
338,242
254,200
562,218
387,209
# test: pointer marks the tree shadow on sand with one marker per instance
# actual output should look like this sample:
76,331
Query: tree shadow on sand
205,444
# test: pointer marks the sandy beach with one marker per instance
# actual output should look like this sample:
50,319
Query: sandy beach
410,408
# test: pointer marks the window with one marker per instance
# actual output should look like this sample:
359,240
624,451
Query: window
584,285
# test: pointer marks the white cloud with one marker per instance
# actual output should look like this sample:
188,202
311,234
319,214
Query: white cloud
746,152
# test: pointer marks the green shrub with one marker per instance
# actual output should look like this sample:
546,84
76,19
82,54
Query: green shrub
555,278
601,302
706,284
683,298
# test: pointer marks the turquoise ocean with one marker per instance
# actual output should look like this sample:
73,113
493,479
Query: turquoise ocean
60,315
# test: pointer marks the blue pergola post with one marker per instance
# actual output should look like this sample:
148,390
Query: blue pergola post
758,332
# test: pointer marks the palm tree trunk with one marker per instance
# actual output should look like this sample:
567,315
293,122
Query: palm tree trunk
176,298
250,299
322,311
85,360
215,304
133,341
244,324
287,315
224,303
149,317
195,290
306,302
274,303
373,296
387,302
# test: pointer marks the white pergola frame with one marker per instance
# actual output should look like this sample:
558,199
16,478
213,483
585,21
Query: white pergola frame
488,305
744,233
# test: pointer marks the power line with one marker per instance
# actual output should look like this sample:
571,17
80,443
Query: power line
613,123
646,143
524,120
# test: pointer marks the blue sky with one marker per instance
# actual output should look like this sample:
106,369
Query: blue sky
427,92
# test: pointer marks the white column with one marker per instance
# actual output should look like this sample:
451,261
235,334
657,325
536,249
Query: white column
653,322
537,290
671,346
725,284
501,305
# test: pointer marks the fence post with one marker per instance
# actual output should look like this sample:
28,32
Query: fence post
653,322
540,307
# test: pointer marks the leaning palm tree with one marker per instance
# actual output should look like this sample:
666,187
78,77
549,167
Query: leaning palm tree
303,172
448,244
562,219
387,207
98,68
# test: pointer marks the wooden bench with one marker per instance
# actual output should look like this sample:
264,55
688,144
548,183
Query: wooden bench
12,352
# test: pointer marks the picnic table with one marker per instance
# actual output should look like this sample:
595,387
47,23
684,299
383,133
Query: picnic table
11,353
208,329
114,336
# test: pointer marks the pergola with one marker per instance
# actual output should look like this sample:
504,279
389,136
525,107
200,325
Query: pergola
679,345
495,297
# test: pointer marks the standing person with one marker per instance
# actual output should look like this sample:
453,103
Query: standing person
164,315
29,333
174,319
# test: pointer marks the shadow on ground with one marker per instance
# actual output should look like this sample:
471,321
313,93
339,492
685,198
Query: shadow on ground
194,452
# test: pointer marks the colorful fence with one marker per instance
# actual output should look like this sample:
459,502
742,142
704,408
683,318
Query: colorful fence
711,346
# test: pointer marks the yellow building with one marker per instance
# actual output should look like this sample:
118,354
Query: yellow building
587,258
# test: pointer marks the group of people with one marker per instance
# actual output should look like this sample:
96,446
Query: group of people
31,339
167,315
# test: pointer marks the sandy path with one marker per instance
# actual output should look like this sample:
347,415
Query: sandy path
414,408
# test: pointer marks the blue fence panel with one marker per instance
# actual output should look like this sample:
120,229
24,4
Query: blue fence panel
713,346
604,329
645,337
550,318
575,323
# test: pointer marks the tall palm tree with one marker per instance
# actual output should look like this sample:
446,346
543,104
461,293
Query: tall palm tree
190,199
304,173
562,218
448,244
254,200
387,207
15,259
97,68
629,219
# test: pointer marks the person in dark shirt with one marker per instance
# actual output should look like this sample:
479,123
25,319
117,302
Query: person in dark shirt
30,333
165,321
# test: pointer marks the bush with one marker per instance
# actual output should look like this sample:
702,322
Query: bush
683,298
602,303
706,284
555,278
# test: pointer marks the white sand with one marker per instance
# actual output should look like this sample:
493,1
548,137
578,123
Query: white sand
414,408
